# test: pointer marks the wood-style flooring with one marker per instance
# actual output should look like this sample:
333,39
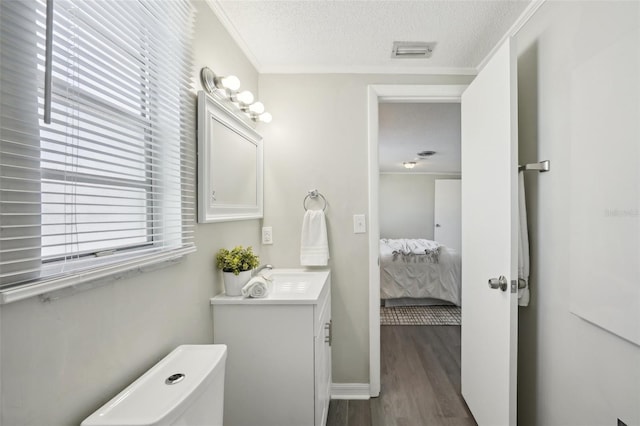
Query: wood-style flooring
420,382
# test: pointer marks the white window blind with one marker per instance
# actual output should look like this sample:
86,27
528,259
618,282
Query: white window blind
110,180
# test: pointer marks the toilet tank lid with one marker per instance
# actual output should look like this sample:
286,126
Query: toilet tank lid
152,398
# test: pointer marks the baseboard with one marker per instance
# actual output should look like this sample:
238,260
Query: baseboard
350,391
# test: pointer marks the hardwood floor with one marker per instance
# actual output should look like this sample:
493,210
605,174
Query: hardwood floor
420,381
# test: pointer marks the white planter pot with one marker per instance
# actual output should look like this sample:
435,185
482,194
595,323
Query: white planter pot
233,283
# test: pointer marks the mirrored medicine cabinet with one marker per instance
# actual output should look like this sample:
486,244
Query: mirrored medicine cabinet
230,164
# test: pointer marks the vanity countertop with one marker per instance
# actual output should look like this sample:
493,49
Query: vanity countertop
288,286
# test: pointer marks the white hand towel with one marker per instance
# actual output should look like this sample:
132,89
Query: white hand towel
523,245
314,247
257,287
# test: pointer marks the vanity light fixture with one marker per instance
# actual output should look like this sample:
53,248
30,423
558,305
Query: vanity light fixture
409,164
256,108
207,77
229,87
213,82
245,99
230,83
265,117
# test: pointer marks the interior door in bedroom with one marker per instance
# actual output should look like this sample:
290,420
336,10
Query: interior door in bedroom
446,213
489,241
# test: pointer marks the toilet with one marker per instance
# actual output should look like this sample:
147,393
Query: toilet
185,388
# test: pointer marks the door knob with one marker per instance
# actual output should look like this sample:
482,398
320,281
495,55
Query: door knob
500,283
437,225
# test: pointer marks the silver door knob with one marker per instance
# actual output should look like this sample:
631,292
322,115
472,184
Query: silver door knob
500,283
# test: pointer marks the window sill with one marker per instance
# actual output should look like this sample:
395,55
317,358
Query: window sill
98,275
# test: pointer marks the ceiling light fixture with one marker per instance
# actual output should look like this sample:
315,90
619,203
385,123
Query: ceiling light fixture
228,87
412,49
425,154
409,164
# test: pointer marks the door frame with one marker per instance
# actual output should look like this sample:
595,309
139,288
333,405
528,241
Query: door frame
405,93
401,93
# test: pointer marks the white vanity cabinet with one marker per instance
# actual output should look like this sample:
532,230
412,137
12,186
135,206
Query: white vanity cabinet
279,355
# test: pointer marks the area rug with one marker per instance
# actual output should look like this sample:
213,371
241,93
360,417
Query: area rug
420,315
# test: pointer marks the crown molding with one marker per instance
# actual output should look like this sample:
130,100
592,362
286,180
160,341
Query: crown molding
367,69
214,5
524,17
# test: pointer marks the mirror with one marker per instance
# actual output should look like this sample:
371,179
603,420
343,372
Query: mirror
229,164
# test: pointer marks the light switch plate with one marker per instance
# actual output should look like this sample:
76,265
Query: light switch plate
267,235
359,224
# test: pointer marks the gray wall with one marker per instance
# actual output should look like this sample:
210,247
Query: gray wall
407,203
62,359
318,139
571,372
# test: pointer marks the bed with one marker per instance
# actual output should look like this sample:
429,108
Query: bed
419,269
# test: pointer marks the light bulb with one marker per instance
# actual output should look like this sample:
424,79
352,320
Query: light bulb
265,117
256,108
245,97
230,82
409,164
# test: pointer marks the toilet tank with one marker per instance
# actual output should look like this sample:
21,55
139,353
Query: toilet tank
185,388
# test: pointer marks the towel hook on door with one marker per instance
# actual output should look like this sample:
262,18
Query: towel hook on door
313,194
542,166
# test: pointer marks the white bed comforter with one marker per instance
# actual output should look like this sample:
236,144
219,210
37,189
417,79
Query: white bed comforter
419,268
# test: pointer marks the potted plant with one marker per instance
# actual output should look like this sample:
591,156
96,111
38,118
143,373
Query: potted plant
236,265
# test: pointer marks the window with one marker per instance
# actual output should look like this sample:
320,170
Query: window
109,183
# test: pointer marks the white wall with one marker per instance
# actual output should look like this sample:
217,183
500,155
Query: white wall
572,372
318,139
62,359
406,204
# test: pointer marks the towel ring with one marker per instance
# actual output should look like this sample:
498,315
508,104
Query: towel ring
314,194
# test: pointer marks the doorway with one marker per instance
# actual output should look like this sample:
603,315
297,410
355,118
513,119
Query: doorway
377,94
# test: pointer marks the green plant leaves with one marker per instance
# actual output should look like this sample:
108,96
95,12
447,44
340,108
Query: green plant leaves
237,260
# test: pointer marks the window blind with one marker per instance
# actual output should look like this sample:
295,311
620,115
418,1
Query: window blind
111,178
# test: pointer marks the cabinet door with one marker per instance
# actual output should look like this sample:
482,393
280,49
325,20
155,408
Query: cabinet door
270,379
323,366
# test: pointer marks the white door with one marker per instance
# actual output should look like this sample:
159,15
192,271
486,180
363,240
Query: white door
489,241
446,213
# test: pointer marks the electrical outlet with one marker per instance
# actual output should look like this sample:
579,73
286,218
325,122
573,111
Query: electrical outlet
267,235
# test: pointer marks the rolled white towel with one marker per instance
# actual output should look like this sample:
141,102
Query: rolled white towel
257,287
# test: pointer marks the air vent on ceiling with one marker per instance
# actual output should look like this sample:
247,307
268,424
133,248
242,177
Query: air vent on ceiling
412,49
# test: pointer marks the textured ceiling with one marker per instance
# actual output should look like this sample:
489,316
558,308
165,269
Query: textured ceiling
313,36
408,128
341,36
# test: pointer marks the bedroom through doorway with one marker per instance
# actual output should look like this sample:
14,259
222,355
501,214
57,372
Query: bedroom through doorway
419,213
